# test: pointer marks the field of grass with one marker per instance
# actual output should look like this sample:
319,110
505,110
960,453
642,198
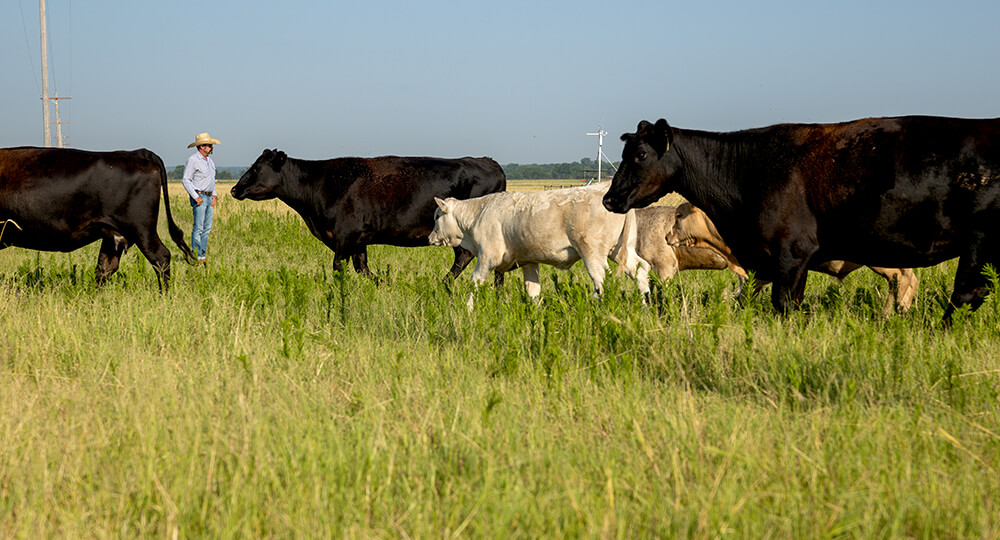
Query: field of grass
265,396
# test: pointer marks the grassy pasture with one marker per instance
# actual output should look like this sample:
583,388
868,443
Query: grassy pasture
266,396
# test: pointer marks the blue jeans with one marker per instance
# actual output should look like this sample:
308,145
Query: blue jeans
202,225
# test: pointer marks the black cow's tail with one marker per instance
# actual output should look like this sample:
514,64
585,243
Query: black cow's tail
175,232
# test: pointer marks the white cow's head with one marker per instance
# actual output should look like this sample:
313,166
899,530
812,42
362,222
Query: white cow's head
446,231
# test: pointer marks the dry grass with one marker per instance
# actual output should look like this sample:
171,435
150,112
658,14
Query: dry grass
222,189
266,396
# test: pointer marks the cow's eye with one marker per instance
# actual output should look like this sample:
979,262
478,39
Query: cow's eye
641,156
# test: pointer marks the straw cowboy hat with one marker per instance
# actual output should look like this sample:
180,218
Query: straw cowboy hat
203,138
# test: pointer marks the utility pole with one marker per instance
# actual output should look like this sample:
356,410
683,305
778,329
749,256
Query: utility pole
46,128
46,100
60,141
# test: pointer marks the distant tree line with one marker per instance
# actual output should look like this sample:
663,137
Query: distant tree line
584,169
221,173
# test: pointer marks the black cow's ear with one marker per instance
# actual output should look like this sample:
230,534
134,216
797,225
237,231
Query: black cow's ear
662,136
279,158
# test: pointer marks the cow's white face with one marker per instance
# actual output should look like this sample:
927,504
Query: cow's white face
446,229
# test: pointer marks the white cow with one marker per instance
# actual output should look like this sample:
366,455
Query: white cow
556,227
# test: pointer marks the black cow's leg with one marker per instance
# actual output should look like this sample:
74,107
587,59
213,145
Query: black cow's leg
112,248
787,296
497,279
971,286
158,255
462,259
788,290
360,260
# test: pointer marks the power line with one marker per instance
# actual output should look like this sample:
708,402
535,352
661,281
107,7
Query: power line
52,57
27,46
69,49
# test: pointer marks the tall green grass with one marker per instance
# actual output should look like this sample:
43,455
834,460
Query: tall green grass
266,395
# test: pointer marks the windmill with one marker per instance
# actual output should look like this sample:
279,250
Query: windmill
600,133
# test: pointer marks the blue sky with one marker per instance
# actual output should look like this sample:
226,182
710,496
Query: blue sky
520,81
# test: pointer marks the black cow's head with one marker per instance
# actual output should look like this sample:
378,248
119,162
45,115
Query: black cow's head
648,164
263,178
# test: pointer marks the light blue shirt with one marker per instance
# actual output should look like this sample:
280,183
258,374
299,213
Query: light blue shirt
199,175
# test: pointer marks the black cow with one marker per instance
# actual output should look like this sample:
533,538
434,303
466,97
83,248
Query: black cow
892,192
61,199
349,203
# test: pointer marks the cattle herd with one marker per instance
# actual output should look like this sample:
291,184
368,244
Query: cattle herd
887,193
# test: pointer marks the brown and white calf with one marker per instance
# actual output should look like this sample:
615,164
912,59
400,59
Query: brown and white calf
654,223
